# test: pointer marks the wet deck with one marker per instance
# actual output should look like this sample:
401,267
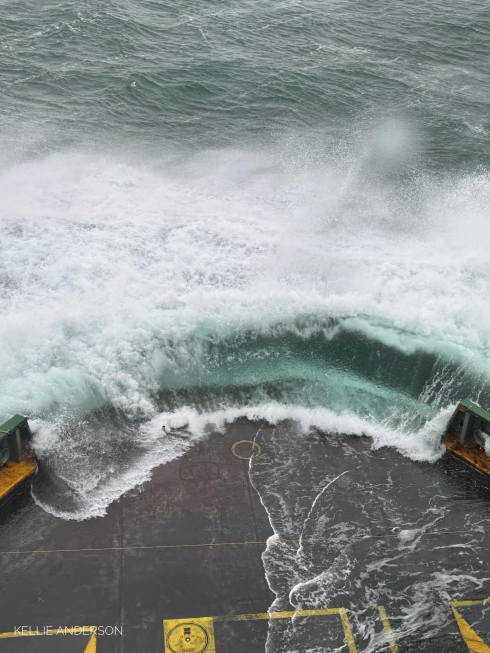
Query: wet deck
375,548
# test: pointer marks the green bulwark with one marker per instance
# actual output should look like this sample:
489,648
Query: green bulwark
470,421
14,433
475,410
17,421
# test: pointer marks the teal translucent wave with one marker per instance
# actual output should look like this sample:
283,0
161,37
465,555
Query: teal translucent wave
317,366
345,372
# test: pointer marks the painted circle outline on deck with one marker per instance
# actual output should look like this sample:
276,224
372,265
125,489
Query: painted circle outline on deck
183,626
254,455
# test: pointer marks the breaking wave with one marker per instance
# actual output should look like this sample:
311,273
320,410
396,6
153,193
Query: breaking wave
337,291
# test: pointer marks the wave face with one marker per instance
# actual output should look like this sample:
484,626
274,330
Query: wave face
213,210
231,283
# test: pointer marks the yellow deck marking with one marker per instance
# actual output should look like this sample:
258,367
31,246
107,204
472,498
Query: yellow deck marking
12,474
251,543
473,641
349,637
390,635
460,604
92,645
253,455
189,635
184,635
76,630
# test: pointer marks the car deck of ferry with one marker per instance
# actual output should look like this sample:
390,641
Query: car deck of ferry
176,565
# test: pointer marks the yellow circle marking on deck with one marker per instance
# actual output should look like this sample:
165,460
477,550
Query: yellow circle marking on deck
254,444
188,638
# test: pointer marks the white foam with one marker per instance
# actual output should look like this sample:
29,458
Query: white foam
422,445
107,267
113,274
94,486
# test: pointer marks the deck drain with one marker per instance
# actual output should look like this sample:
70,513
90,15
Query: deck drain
188,638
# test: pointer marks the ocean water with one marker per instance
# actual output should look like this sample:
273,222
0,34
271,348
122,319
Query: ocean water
210,210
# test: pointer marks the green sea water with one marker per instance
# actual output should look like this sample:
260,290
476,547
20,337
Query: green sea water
192,75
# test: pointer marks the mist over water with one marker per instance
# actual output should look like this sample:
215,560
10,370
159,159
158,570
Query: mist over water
208,211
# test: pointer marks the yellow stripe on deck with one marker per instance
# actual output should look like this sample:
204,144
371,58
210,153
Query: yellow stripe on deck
12,474
473,641
92,645
390,636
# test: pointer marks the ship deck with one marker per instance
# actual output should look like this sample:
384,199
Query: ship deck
177,565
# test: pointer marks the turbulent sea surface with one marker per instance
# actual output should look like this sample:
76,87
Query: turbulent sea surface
220,209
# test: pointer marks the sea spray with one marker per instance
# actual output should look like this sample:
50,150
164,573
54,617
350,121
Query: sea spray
225,281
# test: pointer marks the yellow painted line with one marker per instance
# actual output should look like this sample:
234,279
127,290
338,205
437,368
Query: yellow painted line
458,604
254,542
277,615
76,630
252,456
349,637
92,645
390,635
177,630
473,641
245,617
12,474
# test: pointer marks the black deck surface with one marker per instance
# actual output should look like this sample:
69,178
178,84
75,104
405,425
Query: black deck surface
189,545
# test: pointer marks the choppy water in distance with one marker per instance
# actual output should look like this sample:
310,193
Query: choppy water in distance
230,208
